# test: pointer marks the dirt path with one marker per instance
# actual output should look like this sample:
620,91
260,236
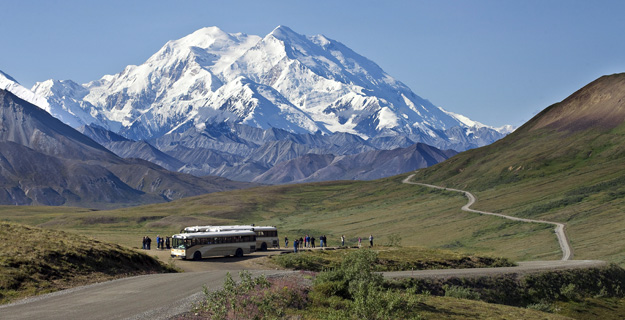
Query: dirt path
525,267
567,253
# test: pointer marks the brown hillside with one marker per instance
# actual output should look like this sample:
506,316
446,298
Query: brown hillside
598,105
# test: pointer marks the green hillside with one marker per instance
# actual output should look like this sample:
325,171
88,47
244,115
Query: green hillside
567,164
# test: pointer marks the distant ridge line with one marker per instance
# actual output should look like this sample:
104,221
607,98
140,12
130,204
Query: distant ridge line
565,246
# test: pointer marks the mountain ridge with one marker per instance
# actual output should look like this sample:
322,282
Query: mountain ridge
307,83
45,162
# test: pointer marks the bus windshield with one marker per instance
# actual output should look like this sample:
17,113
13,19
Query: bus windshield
180,243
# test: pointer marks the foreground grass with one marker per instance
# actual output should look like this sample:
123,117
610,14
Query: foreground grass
35,261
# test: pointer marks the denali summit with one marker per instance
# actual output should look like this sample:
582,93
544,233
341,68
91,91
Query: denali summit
300,84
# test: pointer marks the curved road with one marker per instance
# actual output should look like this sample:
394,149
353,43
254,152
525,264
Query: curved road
161,296
567,253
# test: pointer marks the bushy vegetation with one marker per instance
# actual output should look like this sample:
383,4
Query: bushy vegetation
252,298
35,261
537,291
354,291
350,291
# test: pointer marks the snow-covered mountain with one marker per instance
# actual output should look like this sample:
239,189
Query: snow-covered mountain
9,84
301,84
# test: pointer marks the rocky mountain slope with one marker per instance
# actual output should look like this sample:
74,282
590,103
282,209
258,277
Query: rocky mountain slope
45,162
368,165
272,156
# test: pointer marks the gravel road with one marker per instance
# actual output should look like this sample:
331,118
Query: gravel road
567,252
526,267
157,296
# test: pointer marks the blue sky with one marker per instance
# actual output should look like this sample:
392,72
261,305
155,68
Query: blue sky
497,62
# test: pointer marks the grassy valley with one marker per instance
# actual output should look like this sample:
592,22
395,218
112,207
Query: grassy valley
384,208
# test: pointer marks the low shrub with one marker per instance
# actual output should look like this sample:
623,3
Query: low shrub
460,292
361,291
300,261
253,298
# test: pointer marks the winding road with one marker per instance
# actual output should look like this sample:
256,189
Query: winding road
567,253
161,296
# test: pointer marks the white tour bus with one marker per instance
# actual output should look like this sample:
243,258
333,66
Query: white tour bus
198,245
266,236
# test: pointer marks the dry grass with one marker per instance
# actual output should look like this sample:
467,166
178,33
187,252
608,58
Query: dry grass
35,261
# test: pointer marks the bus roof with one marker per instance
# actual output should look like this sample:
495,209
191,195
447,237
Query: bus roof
228,228
214,234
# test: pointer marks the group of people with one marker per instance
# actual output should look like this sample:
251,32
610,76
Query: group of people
161,243
304,242
309,242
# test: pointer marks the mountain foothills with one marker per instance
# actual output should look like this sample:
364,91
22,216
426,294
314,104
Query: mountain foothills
45,162
236,105
565,164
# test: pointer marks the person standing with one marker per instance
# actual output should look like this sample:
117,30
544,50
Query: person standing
370,240
301,242
158,241
321,242
167,243
148,242
295,244
359,242
145,242
342,240
312,242
286,242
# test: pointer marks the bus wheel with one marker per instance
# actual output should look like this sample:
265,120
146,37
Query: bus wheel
239,253
197,256
263,247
